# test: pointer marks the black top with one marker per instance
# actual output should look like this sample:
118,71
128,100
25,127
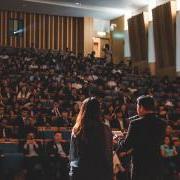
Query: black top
52,148
145,135
91,155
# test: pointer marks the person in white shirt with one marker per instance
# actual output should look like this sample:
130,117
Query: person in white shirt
31,147
31,153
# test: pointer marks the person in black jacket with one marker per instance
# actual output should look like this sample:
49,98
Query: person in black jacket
91,145
58,159
144,137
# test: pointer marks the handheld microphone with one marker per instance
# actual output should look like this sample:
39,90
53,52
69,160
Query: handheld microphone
133,117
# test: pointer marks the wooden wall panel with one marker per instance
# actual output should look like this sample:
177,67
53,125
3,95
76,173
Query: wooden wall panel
164,36
117,44
80,37
138,38
44,31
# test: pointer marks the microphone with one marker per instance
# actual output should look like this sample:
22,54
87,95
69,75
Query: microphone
133,117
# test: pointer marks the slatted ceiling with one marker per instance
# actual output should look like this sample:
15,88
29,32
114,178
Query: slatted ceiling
164,35
138,38
44,31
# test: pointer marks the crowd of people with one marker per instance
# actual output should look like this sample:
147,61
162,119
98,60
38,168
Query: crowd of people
46,88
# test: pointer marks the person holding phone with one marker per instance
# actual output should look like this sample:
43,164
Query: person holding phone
31,152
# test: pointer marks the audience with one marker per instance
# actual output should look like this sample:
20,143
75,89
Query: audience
45,88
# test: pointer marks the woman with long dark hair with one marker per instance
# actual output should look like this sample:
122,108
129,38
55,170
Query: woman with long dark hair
91,145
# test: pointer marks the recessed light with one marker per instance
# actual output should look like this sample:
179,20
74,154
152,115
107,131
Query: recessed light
78,4
24,5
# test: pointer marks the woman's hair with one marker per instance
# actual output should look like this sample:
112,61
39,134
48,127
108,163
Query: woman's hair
88,117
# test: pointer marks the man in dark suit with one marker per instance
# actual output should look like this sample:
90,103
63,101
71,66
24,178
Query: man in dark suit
144,137
58,160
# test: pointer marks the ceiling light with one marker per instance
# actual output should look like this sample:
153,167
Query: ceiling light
24,5
101,33
78,4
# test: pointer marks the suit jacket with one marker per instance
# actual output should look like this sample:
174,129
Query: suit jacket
145,135
21,128
52,148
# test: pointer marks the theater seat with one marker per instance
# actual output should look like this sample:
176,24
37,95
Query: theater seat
12,162
46,134
9,148
66,135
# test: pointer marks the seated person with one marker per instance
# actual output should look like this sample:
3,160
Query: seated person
56,110
30,128
31,152
31,147
118,120
169,154
63,121
58,158
177,145
169,131
23,94
5,129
